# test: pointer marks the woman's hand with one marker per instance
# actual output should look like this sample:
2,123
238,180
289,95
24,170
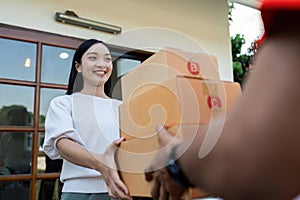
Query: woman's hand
164,187
108,169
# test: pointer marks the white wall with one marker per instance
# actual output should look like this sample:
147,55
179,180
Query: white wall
191,25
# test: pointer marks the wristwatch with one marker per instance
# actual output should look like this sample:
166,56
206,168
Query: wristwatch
175,171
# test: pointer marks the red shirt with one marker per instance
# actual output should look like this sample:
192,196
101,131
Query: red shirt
280,5
270,8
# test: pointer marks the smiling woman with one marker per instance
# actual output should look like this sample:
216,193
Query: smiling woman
33,88
95,67
82,128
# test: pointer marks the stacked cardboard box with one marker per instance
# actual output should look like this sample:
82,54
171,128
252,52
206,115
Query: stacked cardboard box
178,89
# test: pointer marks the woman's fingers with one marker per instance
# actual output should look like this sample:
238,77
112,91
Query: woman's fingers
118,141
116,185
116,192
120,184
111,193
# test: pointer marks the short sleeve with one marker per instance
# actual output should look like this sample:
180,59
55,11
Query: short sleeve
280,5
270,9
59,124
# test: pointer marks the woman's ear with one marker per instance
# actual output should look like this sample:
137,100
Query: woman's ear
78,67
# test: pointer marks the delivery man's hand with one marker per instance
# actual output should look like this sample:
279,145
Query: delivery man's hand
164,187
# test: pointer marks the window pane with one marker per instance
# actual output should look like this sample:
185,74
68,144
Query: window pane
56,64
15,190
17,60
15,152
41,161
46,96
48,189
121,67
16,105
125,65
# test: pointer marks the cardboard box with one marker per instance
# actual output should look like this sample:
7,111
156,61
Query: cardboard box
180,100
165,64
135,154
178,89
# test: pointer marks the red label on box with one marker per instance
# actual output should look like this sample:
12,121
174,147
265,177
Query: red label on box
214,102
193,68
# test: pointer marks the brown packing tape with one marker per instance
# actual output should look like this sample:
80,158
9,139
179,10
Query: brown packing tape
221,96
204,88
217,99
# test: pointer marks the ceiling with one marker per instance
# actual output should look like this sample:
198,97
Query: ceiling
251,3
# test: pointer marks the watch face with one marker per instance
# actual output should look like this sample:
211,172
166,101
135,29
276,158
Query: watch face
173,167
176,173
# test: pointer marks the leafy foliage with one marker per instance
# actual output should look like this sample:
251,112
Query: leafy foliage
230,7
241,63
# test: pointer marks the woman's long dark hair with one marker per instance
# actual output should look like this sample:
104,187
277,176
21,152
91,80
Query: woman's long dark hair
75,78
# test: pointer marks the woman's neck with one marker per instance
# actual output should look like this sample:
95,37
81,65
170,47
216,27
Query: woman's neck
98,92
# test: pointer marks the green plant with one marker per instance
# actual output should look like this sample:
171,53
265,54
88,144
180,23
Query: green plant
241,63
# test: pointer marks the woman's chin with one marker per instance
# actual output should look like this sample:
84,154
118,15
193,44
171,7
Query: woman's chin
101,82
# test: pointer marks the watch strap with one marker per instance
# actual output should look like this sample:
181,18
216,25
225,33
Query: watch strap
175,171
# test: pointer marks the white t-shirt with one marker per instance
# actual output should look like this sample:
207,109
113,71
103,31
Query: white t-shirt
92,122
